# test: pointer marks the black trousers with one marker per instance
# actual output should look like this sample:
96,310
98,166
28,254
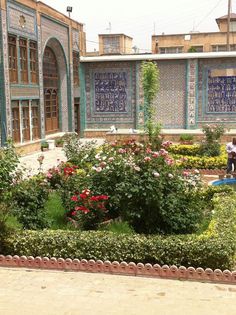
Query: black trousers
230,163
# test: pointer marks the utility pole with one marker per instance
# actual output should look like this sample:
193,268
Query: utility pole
228,24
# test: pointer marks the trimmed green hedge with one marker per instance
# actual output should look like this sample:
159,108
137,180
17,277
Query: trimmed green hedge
215,248
194,160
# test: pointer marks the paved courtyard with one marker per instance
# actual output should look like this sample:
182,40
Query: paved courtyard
51,158
37,292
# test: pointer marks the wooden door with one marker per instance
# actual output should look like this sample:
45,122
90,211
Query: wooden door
50,79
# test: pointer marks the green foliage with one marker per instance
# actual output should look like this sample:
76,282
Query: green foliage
8,176
55,212
145,188
192,49
44,145
29,197
210,146
8,165
184,149
189,156
119,227
89,210
150,83
215,248
186,137
77,152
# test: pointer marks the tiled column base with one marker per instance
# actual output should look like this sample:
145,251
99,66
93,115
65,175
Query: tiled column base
123,268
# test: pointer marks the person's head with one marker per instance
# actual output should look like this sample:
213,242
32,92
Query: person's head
234,141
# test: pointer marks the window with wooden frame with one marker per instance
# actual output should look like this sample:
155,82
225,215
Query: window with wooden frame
15,121
25,120
12,52
23,60
76,67
35,119
33,61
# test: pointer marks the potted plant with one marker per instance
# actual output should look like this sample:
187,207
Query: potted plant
186,139
59,142
44,146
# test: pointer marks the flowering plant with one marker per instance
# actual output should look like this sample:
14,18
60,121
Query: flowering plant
88,210
210,146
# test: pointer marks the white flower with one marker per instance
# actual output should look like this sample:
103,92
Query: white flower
156,174
170,175
98,169
137,168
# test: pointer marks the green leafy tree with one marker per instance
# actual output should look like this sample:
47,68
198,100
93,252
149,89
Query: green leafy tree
151,84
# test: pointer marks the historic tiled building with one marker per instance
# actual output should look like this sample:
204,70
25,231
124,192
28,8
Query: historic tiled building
195,89
39,79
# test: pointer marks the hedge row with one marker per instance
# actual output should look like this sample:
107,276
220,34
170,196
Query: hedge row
215,248
193,160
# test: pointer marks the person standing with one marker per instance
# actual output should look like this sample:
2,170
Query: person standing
231,150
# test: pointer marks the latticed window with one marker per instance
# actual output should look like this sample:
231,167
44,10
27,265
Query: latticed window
23,60
12,59
76,67
35,119
25,120
15,121
33,62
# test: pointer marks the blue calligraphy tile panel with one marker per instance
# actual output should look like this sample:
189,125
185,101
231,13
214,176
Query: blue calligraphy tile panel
222,94
111,92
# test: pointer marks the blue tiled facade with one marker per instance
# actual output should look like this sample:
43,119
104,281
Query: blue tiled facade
185,99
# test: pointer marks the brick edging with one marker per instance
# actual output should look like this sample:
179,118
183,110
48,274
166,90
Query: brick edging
123,268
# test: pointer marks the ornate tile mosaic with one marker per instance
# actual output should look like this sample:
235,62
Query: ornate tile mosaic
21,21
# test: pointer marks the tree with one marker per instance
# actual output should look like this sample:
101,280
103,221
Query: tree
150,83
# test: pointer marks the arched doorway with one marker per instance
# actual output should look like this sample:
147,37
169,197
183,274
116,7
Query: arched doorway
51,91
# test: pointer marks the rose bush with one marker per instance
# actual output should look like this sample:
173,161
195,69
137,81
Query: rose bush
146,188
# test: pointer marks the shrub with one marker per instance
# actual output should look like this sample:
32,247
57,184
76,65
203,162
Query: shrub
210,146
8,176
215,248
186,137
77,152
146,189
29,197
88,210
184,149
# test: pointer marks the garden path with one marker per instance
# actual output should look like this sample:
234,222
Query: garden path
34,292
51,158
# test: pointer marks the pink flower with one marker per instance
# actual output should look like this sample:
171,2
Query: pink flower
148,150
163,152
147,159
111,159
49,175
103,164
169,161
155,154
98,169
121,151
185,173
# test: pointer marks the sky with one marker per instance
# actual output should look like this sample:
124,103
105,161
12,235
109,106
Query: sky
141,20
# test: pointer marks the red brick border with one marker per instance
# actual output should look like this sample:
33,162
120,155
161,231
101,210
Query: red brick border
123,268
